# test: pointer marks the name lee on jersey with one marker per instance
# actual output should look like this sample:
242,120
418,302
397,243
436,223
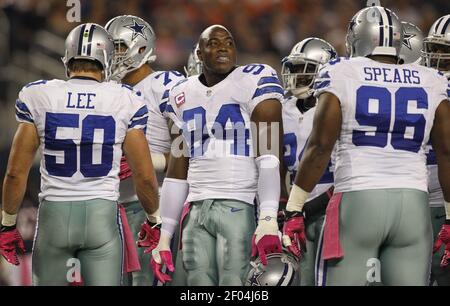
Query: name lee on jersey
391,75
80,100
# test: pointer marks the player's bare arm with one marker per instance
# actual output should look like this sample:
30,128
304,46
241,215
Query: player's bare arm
23,150
138,156
325,132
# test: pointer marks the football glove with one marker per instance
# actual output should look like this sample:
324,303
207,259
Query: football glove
10,240
265,240
443,238
294,237
162,256
149,234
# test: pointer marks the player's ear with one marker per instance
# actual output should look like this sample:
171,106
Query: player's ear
199,54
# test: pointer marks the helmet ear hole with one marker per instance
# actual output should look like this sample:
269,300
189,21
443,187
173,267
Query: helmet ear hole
142,50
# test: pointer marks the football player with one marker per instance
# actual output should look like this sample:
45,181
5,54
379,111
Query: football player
436,54
134,41
410,51
81,127
179,278
194,65
299,71
220,176
377,226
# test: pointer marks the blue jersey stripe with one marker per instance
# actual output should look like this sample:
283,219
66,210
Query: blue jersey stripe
141,112
25,117
142,121
319,85
22,107
169,109
162,107
268,90
269,80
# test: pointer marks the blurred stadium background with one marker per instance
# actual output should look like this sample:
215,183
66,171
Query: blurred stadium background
32,34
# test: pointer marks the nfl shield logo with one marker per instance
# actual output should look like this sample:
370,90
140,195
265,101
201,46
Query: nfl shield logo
179,99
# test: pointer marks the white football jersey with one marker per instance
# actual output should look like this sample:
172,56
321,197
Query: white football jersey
387,115
81,124
297,127
435,195
216,126
155,88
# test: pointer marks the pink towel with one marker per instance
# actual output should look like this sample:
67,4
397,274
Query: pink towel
184,213
331,244
131,260
125,171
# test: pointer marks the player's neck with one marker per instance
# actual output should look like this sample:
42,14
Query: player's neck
210,79
384,59
87,74
137,75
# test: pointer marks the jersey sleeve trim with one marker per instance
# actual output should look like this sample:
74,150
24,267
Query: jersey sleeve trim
139,120
23,114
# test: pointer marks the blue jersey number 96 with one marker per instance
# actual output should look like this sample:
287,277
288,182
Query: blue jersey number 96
381,118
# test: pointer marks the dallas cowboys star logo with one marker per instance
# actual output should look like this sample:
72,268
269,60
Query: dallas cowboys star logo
138,30
407,39
254,280
331,51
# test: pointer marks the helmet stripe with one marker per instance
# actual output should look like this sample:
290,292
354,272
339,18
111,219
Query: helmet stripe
85,39
80,39
304,45
91,33
391,31
283,277
381,42
384,20
437,24
444,28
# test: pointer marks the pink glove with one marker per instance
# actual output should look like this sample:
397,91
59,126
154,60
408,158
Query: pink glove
148,236
10,238
443,238
265,240
294,237
166,260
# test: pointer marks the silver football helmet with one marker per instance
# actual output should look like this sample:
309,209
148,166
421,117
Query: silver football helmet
194,65
92,42
436,46
412,43
134,40
301,66
374,30
281,270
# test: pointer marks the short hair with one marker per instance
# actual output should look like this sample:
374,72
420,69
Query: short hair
86,65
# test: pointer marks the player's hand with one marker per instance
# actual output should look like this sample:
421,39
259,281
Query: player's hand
149,234
294,237
265,240
444,238
125,171
162,256
10,239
